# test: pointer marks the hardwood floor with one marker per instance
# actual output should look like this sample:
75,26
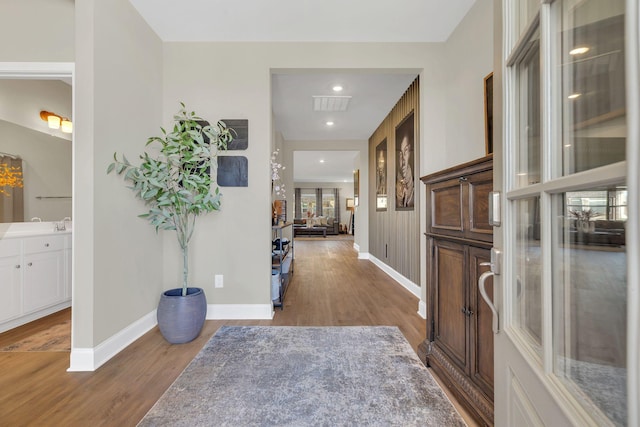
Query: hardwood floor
330,286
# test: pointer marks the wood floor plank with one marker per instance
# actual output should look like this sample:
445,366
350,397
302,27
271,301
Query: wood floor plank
330,287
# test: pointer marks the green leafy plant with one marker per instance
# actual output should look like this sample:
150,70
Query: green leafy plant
176,182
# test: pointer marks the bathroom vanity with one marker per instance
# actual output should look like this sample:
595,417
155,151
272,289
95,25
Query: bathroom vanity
35,271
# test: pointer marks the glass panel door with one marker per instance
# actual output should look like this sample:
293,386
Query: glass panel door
562,359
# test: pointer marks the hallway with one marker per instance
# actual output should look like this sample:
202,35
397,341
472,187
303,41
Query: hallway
330,286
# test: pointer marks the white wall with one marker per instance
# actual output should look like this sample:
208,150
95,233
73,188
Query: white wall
37,30
117,256
468,59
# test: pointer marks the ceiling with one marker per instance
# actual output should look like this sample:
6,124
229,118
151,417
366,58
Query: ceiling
323,166
373,93
303,20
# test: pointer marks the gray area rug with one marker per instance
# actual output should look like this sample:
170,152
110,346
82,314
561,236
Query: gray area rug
304,376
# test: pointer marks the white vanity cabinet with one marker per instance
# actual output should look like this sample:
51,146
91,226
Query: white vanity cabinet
10,278
44,272
35,277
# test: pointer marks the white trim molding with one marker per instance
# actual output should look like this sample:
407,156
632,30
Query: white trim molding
239,311
364,255
90,359
36,70
406,283
422,309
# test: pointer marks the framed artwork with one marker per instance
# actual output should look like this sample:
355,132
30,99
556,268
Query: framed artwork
405,163
488,114
381,176
356,187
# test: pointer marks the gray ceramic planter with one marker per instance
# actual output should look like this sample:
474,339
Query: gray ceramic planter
180,318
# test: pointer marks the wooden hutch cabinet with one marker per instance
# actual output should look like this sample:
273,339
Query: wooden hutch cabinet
459,344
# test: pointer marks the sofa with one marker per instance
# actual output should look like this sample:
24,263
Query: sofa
300,226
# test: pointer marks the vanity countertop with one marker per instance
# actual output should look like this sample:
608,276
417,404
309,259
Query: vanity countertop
30,229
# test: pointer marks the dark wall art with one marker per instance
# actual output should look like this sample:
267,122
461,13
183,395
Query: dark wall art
381,176
356,187
405,163
241,135
233,171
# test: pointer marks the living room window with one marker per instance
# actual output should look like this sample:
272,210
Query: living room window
328,203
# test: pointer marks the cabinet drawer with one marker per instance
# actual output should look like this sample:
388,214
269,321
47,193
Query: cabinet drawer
43,244
9,247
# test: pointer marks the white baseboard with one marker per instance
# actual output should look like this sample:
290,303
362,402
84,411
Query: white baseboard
364,255
406,283
90,359
356,247
239,311
422,309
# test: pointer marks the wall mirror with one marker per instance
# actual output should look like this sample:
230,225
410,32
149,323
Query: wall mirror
35,159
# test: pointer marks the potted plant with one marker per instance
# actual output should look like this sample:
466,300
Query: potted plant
176,185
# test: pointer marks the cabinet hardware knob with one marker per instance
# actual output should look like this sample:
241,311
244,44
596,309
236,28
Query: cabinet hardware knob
30,264
46,245
17,265
463,179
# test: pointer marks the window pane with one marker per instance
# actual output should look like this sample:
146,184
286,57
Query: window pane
593,84
590,289
527,10
328,203
527,297
308,202
529,126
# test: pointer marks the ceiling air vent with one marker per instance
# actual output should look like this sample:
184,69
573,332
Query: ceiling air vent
330,103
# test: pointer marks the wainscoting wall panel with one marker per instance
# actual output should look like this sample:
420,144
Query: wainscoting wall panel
394,235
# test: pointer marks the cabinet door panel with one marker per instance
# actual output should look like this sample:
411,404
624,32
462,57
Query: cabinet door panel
10,271
450,323
43,280
446,202
481,324
480,185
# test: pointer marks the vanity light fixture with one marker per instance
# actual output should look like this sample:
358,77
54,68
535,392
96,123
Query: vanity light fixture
337,88
573,96
329,123
57,122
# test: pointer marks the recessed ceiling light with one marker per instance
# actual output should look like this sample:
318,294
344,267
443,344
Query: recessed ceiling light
329,123
579,50
573,96
337,88
321,160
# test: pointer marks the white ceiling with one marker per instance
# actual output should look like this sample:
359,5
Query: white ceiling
323,166
303,20
373,93
373,96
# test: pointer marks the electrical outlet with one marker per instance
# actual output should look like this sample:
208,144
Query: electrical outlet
219,281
